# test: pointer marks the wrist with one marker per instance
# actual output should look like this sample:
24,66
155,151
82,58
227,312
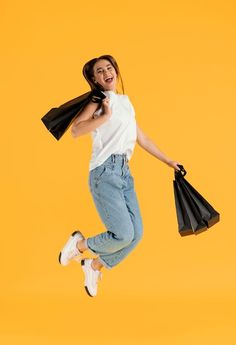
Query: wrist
167,161
107,115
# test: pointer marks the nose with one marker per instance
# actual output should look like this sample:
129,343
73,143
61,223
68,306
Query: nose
106,73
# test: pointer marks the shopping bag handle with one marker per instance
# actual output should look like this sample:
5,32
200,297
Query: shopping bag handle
181,172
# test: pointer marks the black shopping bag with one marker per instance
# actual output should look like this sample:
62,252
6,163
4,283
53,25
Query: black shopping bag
194,212
184,224
59,119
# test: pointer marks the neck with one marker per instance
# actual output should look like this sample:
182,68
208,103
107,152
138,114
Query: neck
111,91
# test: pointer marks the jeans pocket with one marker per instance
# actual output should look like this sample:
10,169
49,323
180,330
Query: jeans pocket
103,173
98,172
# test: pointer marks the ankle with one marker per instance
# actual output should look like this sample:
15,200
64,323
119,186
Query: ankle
96,266
81,246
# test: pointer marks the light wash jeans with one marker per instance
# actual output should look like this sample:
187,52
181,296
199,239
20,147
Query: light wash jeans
112,188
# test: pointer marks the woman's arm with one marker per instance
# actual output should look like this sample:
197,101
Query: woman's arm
147,144
85,123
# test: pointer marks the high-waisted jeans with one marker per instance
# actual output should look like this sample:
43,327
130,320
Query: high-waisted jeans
112,188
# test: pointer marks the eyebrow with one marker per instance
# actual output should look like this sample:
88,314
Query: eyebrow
101,67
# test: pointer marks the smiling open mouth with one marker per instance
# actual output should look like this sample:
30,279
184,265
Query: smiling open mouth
109,80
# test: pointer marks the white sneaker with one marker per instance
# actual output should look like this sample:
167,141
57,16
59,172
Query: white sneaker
70,251
91,277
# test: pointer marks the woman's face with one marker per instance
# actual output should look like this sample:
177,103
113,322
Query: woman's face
105,74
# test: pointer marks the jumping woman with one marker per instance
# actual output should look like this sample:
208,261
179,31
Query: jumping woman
114,132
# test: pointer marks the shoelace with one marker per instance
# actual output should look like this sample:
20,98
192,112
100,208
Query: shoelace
74,253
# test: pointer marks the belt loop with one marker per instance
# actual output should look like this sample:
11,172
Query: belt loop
113,158
123,160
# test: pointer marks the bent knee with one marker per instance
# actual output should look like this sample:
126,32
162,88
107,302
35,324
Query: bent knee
127,237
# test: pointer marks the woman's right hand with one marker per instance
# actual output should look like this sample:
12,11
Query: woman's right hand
106,108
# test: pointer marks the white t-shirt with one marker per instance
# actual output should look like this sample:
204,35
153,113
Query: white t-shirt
118,134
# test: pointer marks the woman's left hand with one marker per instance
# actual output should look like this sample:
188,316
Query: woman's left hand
173,164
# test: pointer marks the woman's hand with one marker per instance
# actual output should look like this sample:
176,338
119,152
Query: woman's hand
106,109
173,164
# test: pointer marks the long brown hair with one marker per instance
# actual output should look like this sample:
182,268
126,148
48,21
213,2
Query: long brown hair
88,72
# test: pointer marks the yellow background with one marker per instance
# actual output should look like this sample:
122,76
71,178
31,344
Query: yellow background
177,60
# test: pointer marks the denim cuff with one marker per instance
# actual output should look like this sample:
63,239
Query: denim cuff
99,258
